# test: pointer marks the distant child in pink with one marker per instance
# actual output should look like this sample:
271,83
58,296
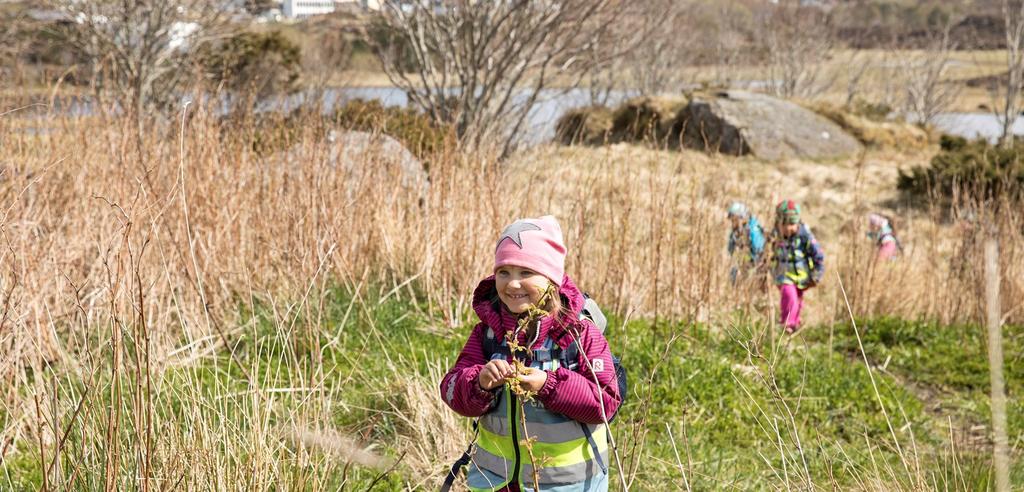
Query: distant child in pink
881,231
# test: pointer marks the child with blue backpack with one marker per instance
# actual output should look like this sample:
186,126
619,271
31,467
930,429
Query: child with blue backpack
799,262
746,239
549,367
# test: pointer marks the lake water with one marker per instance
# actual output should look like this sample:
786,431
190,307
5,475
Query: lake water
542,119
975,125
540,125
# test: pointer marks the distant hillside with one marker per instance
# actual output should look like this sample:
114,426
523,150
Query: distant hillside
974,32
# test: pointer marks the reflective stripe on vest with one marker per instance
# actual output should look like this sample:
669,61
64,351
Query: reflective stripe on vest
549,474
560,444
793,264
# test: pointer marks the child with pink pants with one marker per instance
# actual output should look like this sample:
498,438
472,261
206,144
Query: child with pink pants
799,262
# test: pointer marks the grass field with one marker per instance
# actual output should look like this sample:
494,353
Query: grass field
186,310
350,399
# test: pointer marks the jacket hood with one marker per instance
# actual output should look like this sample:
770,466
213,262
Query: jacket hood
492,312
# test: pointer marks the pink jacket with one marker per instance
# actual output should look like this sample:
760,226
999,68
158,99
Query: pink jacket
887,251
571,393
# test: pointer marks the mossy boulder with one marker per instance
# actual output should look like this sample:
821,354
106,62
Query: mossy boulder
877,133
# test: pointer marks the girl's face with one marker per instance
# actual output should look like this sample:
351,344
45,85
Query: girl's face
788,230
519,287
736,221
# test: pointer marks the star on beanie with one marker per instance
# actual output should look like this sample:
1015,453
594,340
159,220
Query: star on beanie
535,244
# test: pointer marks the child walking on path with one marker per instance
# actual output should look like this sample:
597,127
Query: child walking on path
881,232
746,237
510,373
799,262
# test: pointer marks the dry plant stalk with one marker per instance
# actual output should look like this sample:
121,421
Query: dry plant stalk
1000,448
533,315
337,444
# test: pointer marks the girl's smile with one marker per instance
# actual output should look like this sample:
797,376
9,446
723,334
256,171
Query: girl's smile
518,287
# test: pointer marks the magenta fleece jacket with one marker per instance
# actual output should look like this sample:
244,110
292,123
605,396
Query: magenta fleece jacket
571,393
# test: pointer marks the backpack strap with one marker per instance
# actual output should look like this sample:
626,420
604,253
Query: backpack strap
568,357
593,312
492,346
593,446
462,462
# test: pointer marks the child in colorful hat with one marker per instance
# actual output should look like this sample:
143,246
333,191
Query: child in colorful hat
798,264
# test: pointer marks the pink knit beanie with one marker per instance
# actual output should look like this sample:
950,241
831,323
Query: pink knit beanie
535,244
877,220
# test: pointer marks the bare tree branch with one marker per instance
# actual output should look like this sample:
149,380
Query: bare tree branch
798,40
1009,107
137,48
481,66
927,93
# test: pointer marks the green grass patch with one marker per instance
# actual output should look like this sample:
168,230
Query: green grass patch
950,361
739,418
737,410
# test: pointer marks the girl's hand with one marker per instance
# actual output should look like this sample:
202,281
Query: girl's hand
493,374
533,379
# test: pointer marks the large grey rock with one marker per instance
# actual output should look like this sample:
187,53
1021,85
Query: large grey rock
364,160
355,151
737,122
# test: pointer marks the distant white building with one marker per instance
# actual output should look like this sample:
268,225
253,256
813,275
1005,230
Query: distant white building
297,9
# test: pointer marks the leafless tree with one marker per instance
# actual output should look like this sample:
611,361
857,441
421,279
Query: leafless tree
640,53
481,66
927,92
604,79
798,40
138,49
731,31
891,81
1008,104
11,26
856,68
657,62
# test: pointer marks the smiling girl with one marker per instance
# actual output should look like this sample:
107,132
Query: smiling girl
570,405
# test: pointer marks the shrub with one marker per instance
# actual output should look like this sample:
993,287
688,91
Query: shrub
414,129
646,118
252,64
268,132
642,119
977,168
588,126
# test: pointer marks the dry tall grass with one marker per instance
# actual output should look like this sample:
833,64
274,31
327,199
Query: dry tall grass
143,248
